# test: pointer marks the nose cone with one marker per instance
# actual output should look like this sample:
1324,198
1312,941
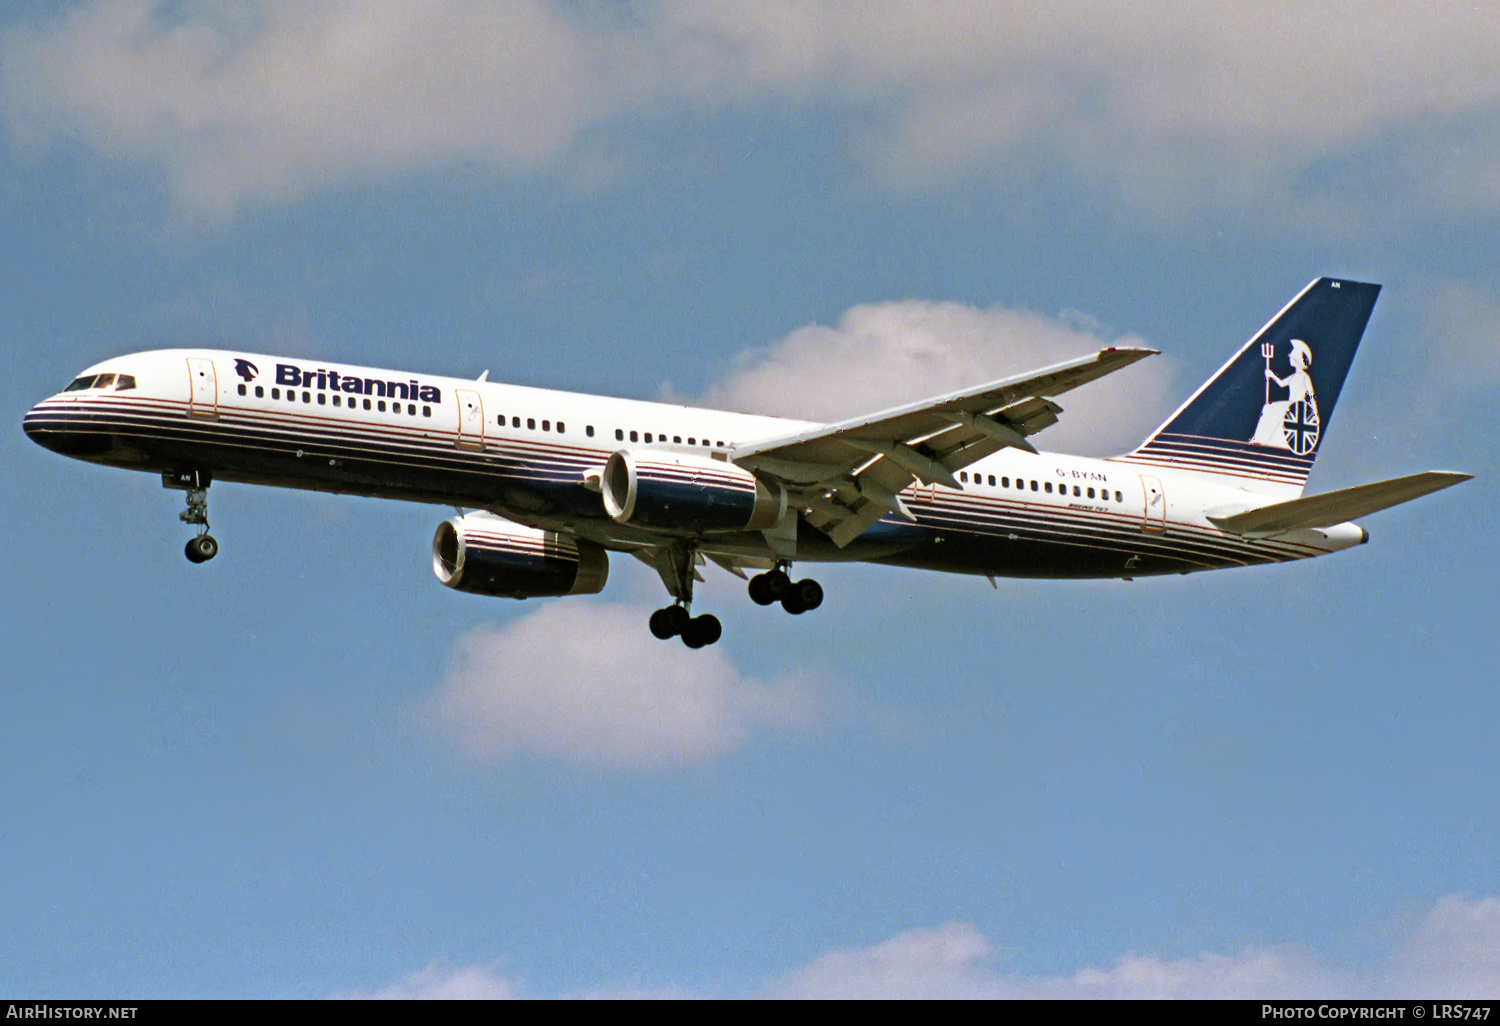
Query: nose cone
32,425
59,427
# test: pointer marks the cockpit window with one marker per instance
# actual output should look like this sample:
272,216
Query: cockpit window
118,382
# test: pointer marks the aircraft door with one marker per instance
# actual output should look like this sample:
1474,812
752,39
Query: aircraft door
470,420
1155,519
204,383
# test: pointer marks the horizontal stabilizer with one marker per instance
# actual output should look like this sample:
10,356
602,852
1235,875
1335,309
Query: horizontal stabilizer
1336,507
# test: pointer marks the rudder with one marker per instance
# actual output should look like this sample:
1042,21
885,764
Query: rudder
1264,415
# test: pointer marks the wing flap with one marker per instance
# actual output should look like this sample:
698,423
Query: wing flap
1336,507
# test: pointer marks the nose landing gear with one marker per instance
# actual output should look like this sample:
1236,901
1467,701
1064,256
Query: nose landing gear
202,547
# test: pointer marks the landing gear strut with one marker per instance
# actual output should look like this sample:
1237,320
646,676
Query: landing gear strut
795,596
202,547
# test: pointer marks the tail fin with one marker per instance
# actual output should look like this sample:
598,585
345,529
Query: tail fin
1264,414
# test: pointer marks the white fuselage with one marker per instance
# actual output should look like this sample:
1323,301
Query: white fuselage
527,454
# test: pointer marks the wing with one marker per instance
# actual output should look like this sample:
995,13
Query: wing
849,475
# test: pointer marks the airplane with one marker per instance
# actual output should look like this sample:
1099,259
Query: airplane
547,484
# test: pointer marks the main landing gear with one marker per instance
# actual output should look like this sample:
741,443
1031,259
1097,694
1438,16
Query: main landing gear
795,596
676,621
202,547
678,569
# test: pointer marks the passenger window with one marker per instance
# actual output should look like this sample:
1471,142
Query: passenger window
275,393
242,390
619,435
1076,492
500,420
546,425
1047,487
1005,482
634,437
322,399
291,396
427,411
589,430
367,404
380,406
307,397
1119,496
1091,493
338,400
963,475
560,429
260,393
648,437
692,441
1033,486
530,423
676,439
411,409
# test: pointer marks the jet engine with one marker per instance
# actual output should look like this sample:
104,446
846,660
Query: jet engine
672,490
489,555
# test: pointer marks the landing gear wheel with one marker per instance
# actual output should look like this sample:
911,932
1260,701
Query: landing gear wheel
809,593
661,627
768,587
201,549
670,621
805,595
702,630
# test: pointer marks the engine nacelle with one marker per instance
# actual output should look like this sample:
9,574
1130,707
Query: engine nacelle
489,555
672,490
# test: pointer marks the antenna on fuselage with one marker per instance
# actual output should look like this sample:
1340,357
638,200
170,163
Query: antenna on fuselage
485,376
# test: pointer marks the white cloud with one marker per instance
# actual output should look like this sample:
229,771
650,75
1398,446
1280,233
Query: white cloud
951,961
436,983
945,962
880,355
584,682
267,99
1160,96
1453,953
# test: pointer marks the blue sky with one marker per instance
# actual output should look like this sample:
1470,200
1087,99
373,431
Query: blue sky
307,769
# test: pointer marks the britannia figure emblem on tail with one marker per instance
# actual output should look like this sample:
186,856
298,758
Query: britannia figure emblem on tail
1290,423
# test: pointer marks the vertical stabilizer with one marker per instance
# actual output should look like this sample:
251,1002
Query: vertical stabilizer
1263,416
